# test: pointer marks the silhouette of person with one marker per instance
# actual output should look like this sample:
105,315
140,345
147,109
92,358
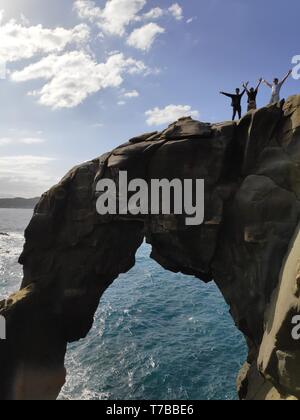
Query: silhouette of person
236,100
276,87
252,95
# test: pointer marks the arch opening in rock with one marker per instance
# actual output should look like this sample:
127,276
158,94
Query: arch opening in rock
157,335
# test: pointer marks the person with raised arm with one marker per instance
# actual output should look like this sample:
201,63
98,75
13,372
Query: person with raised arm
276,87
252,95
236,100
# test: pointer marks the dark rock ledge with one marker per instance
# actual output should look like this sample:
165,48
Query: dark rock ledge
249,244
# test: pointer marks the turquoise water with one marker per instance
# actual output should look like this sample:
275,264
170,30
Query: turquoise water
157,335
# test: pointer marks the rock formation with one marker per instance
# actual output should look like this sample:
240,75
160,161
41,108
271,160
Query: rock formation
248,244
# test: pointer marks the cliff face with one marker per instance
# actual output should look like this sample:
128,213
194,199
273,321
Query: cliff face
249,244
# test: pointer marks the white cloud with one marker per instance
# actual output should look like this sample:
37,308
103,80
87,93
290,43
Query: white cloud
176,11
169,114
27,174
16,164
154,13
22,42
75,75
87,9
127,95
191,20
32,140
132,94
114,17
66,60
5,141
144,37
24,20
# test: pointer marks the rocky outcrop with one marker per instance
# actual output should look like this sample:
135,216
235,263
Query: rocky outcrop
248,244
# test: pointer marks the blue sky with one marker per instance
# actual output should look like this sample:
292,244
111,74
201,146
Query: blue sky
83,77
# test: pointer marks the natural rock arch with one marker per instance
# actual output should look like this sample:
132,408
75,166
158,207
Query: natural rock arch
71,255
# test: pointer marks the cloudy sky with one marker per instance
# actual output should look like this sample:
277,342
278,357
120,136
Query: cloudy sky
79,77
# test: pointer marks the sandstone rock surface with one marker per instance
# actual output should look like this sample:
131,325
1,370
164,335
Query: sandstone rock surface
249,244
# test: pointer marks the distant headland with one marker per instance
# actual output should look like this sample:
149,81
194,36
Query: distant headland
18,203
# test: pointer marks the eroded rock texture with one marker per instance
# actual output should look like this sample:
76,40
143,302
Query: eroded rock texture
248,244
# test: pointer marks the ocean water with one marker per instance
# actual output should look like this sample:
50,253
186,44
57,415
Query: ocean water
157,335
12,223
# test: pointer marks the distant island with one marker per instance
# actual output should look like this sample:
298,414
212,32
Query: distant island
18,203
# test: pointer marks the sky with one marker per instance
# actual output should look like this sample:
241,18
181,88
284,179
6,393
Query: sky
80,77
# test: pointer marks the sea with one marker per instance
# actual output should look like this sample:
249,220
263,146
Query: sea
156,336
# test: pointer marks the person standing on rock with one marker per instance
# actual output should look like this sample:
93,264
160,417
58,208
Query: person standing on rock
252,95
276,87
236,102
